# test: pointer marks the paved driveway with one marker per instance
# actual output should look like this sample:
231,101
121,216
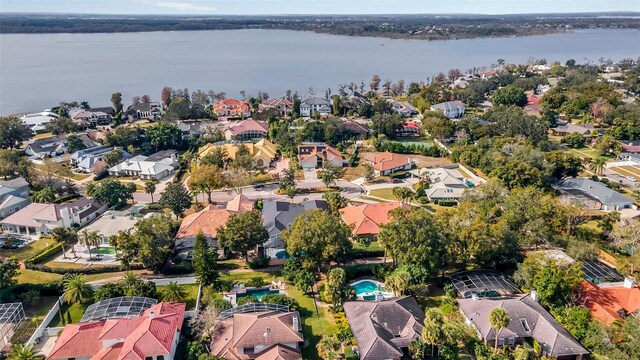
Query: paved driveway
310,175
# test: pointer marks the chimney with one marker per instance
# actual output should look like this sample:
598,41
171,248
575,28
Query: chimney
534,296
296,323
629,282
152,315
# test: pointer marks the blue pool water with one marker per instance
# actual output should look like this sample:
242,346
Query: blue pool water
282,255
366,287
258,294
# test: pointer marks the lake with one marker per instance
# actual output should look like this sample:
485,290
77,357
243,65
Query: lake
38,71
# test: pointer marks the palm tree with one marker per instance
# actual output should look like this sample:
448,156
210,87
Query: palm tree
64,237
86,240
432,331
174,292
402,193
397,281
597,165
44,195
129,281
76,289
23,352
498,319
96,237
150,188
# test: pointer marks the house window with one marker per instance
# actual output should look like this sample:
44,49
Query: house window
160,357
500,342
149,358
525,324
511,341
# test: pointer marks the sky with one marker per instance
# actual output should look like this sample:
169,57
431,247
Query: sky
269,7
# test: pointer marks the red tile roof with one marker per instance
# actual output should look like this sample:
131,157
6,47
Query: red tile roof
605,302
631,148
135,338
248,125
212,218
386,161
367,219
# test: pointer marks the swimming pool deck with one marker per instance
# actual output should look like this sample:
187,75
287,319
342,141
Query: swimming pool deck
372,295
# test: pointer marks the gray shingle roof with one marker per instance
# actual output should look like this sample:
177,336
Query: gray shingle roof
554,339
315,101
383,328
277,215
594,189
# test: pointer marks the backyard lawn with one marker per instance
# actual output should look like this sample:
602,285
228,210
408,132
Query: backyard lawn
36,277
71,314
192,297
313,326
28,250
385,193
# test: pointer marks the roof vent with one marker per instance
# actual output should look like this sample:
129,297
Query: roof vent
152,315
629,282
266,331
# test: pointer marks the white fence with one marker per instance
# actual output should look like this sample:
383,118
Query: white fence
47,319
441,145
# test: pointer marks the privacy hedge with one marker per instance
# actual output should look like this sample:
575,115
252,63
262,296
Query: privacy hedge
45,254
87,271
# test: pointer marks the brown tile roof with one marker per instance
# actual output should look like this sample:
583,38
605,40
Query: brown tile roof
367,219
386,161
207,220
383,328
279,352
248,125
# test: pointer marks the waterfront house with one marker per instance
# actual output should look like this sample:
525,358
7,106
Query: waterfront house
384,329
90,118
315,106
248,129
282,106
37,122
40,219
232,108
450,109
263,152
315,155
144,110
386,163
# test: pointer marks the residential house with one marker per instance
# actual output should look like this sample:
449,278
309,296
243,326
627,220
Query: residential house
488,74
113,222
232,108
605,198
365,220
610,302
40,219
90,118
14,195
86,160
403,108
37,122
208,221
451,109
248,129
410,128
583,129
631,147
315,106
51,146
384,329
444,183
189,129
144,110
315,155
153,335
262,152
156,166
261,335
386,163
528,320
282,106
279,215
357,129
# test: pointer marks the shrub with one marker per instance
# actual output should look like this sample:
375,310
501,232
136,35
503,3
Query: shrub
281,300
290,268
178,269
220,304
258,262
256,281
246,300
46,253
87,271
357,271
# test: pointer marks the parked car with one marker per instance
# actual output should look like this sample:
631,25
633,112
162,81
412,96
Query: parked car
396,181
258,186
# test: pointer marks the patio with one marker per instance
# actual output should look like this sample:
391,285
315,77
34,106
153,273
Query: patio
104,255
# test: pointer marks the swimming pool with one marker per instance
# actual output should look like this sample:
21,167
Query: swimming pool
258,293
282,255
370,290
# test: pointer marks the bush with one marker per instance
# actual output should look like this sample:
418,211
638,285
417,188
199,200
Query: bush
280,299
45,254
221,304
290,268
256,281
447,202
363,254
357,271
246,300
258,262
178,269
87,271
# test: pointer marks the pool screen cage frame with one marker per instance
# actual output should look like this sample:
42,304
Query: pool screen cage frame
480,281
10,313
118,307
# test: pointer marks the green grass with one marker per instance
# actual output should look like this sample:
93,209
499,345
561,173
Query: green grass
385,193
192,297
414,141
313,326
374,246
71,314
436,207
36,277
28,250
242,277
78,176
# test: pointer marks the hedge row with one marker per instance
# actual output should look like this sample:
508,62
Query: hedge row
45,254
88,270
363,254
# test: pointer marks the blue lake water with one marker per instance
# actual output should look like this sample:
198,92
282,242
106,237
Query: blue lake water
38,71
